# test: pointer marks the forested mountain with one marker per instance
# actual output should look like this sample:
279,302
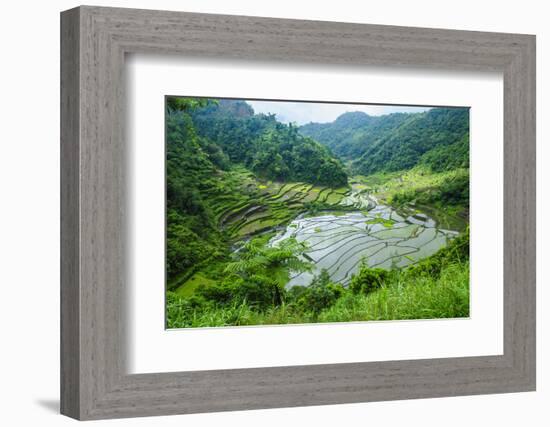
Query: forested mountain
351,132
270,149
437,138
263,225
205,141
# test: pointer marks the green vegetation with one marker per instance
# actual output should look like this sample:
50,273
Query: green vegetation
443,195
270,149
454,189
408,297
437,138
236,181
212,196
385,222
191,285
436,287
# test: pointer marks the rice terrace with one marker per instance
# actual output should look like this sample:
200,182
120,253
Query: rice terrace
297,212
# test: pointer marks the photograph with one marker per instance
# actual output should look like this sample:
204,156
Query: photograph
268,214
298,212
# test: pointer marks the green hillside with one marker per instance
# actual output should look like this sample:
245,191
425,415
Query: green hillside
363,218
437,138
225,174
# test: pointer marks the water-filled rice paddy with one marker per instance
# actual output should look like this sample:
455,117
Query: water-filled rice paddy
358,229
380,237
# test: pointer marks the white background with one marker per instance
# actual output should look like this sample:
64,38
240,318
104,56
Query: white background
29,215
153,349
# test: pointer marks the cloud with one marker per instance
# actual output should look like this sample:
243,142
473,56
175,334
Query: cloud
306,112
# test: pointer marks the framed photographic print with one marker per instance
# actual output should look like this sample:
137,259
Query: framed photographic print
262,213
283,212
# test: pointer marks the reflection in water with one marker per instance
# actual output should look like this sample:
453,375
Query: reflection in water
380,237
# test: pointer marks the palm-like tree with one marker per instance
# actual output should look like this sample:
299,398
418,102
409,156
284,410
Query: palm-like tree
258,263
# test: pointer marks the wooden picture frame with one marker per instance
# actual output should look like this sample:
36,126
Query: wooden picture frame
94,382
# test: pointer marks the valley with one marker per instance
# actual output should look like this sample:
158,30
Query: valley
248,243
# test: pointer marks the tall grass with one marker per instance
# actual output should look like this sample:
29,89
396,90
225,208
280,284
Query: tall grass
401,297
422,297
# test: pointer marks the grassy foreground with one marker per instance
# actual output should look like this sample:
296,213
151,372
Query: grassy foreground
421,298
437,287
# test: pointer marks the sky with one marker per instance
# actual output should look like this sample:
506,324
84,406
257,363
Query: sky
306,112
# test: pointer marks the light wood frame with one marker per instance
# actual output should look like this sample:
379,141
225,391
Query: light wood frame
94,41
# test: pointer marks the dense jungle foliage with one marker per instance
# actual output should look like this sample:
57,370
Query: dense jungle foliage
270,149
206,142
234,179
437,287
437,138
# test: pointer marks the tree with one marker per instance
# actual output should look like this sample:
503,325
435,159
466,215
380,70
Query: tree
264,269
320,294
397,141
368,279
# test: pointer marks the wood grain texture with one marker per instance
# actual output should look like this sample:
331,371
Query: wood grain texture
70,292
94,382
